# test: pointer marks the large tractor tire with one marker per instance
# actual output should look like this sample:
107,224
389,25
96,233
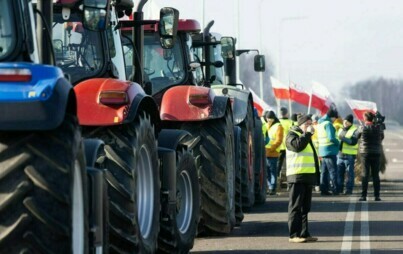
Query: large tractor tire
43,200
260,173
133,185
215,153
179,231
239,216
247,160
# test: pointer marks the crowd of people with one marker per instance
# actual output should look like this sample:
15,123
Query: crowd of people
320,152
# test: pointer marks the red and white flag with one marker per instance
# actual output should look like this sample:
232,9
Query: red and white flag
360,107
298,94
320,97
259,104
280,90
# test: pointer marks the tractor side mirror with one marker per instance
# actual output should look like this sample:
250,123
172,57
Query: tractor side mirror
227,47
259,63
168,26
95,14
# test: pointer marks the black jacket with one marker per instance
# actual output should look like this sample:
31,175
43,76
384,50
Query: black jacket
371,138
296,144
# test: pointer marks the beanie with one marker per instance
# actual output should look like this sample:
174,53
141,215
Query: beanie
332,113
349,118
302,119
283,111
294,117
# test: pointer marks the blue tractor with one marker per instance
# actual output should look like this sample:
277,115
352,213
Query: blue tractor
44,201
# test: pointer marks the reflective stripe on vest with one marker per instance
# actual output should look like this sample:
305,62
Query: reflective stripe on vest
349,149
272,135
323,139
302,162
286,123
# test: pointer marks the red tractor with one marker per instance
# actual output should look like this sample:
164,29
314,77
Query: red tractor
173,77
152,187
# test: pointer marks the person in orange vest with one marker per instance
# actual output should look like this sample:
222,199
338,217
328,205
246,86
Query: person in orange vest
286,123
275,134
348,137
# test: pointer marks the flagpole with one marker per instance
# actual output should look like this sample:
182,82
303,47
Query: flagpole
310,100
278,106
289,99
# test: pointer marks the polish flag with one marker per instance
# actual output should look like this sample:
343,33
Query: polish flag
360,107
280,90
320,97
298,94
259,104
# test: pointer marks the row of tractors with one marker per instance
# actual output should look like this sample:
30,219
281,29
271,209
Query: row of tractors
119,134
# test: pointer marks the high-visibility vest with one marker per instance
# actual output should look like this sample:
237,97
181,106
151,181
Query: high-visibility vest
272,136
323,139
302,162
349,149
264,130
286,123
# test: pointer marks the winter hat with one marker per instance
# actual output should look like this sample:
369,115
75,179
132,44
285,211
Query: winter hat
294,117
332,113
349,118
302,119
283,111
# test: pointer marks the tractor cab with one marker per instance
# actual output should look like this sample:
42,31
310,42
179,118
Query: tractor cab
88,48
164,68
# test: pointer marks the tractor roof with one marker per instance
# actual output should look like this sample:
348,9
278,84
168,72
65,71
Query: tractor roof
184,25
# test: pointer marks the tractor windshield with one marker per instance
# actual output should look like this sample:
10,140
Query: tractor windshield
78,51
7,28
162,67
216,73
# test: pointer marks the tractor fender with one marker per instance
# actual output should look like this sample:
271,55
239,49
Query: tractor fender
93,113
241,99
192,103
39,103
91,148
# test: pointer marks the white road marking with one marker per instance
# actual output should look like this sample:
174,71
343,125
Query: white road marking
348,228
365,246
393,150
394,160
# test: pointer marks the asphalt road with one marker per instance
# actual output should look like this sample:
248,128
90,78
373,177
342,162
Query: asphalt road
342,223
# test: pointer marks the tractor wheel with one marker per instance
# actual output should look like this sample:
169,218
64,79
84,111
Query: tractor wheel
260,174
247,160
179,231
133,185
43,201
238,183
215,152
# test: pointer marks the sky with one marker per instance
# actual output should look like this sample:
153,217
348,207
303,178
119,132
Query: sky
336,43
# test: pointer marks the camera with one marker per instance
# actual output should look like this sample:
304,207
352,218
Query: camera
379,119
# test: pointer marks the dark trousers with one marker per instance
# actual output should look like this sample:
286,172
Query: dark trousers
371,163
298,207
280,161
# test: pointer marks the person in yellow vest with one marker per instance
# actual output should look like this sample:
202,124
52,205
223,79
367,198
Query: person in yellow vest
348,137
328,150
302,175
286,123
315,142
338,124
275,134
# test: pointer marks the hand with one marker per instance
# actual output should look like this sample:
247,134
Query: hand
310,129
